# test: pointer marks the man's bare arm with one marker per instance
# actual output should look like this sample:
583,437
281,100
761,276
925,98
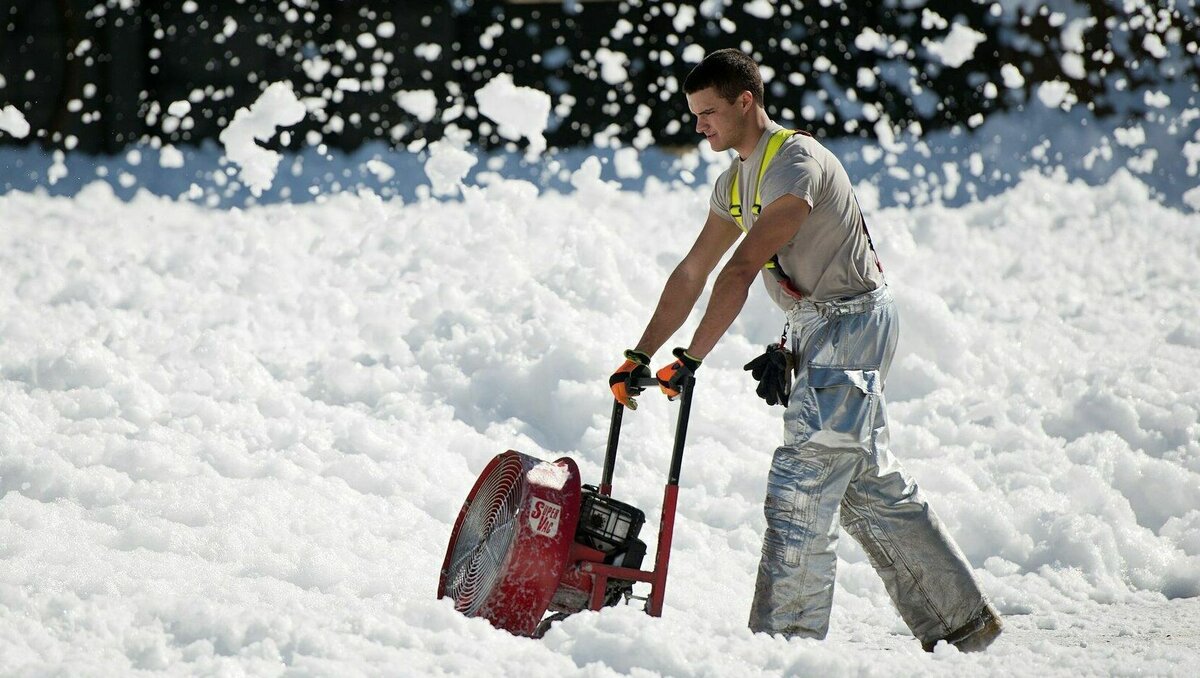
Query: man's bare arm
686,283
776,225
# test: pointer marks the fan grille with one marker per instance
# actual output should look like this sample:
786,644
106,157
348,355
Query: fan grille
484,537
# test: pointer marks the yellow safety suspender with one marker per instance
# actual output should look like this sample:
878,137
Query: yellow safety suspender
735,198
735,208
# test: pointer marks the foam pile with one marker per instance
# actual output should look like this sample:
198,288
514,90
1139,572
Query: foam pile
236,440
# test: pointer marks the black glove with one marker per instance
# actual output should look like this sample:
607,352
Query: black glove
773,370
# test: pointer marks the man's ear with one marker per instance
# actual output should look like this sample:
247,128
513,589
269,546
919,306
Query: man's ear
746,99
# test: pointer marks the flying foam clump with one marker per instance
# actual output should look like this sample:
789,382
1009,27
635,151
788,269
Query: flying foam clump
276,107
519,111
13,122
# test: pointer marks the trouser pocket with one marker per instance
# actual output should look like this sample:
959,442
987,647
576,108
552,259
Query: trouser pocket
794,489
838,408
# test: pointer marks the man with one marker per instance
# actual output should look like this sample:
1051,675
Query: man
807,239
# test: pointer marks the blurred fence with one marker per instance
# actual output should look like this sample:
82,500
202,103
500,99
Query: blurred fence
100,74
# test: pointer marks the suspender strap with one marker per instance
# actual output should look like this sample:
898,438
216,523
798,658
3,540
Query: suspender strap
735,206
735,209
735,198
863,218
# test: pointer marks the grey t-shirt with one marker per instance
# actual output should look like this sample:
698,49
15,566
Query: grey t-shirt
829,257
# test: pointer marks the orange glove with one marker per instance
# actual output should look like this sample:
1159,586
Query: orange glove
622,382
670,378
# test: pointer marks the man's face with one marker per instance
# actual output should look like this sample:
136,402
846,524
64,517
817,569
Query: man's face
720,121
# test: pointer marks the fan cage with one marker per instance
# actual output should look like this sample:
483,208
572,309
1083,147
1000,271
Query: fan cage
484,538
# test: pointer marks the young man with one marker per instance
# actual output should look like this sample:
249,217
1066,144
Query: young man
807,240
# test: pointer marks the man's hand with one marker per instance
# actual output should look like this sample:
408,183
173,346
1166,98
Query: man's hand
623,381
670,378
773,370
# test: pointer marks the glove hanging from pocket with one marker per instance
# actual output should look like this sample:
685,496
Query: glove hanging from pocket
773,371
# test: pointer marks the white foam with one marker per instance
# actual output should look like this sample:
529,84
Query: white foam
1012,76
760,9
685,17
1131,137
13,122
382,171
869,40
422,103
1054,93
170,157
448,163
276,107
520,112
627,164
1154,45
958,46
612,66
58,169
1157,99
429,51
693,54
288,403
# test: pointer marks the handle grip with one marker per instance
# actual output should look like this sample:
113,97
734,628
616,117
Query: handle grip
646,382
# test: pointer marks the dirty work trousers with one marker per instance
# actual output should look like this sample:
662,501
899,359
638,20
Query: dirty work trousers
835,467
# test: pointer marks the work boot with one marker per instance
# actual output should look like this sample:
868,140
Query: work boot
975,635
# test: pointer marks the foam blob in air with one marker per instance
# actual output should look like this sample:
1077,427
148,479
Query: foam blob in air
276,107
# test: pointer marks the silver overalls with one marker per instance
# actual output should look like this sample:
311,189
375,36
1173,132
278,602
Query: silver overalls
835,465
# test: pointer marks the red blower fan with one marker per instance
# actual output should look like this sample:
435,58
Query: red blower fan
530,539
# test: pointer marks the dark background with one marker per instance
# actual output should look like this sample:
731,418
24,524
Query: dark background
138,57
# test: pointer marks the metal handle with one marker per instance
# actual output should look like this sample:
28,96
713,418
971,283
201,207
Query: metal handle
685,413
614,433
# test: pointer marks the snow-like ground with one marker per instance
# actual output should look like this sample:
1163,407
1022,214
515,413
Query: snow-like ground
234,441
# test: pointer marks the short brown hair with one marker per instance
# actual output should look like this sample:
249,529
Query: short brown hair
730,71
